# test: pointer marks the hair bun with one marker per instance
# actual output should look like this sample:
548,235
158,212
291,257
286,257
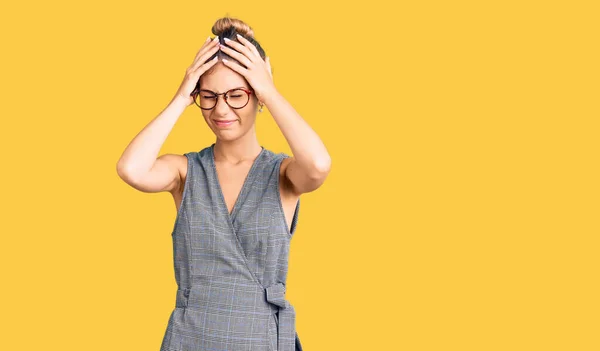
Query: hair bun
225,23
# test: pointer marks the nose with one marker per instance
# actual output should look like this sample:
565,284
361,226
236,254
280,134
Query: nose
221,104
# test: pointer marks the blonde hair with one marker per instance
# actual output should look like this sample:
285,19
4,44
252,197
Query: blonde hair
228,27
225,23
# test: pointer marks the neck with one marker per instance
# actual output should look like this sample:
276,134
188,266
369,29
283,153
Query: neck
236,151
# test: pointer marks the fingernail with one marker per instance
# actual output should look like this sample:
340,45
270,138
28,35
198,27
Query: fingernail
207,39
216,39
227,39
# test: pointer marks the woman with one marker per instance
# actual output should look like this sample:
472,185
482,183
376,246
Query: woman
237,202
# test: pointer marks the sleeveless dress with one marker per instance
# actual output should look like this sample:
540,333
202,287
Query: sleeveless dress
231,269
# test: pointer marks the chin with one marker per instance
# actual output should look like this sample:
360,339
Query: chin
227,135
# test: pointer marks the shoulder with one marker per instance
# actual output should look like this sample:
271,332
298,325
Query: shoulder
182,164
276,160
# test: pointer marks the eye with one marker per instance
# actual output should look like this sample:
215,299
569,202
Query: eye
208,96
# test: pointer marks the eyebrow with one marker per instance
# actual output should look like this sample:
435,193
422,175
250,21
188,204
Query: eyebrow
227,89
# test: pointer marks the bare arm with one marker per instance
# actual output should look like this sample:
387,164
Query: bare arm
307,169
139,165
310,164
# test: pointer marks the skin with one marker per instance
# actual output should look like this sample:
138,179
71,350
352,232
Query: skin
236,146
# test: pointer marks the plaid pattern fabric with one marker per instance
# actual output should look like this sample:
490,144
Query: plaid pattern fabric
231,269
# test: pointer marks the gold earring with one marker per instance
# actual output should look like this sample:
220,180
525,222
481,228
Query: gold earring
261,108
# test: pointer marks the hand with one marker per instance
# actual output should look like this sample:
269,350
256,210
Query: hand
197,68
257,71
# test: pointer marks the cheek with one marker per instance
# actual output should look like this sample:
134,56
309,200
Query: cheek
247,114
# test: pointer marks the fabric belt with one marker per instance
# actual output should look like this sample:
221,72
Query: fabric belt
286,335
275,295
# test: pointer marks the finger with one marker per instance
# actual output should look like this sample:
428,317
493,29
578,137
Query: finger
236,67
206,43
236,55
239,47
202,59
204,67
195,74
248,44
206,46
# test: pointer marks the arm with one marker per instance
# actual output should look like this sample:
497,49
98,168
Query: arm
311,162
309,166
139,165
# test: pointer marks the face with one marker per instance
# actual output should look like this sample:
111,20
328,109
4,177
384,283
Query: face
220,79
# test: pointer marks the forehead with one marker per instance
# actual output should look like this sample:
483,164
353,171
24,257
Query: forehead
222,78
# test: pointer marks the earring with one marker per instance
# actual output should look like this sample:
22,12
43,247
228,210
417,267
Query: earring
261,108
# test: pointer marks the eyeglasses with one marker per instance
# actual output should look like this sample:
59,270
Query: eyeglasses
236,98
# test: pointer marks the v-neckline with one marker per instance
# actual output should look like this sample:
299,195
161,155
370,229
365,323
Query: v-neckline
230,216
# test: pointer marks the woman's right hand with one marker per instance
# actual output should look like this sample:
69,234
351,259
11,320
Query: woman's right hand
197,68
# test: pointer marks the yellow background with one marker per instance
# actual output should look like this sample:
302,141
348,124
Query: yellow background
461,211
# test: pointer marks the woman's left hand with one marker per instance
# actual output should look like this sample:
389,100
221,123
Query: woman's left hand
257,71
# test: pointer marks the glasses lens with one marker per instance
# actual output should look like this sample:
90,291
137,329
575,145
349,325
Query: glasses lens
237,98
206,99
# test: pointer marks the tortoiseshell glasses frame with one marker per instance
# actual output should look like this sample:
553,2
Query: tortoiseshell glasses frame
197,91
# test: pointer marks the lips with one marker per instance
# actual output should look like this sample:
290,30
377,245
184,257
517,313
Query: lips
223,122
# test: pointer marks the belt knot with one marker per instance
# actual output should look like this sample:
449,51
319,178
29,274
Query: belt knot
276,295
286,323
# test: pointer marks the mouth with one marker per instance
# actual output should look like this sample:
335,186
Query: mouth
224,123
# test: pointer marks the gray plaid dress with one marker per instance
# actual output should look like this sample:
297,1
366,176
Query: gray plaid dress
231,269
